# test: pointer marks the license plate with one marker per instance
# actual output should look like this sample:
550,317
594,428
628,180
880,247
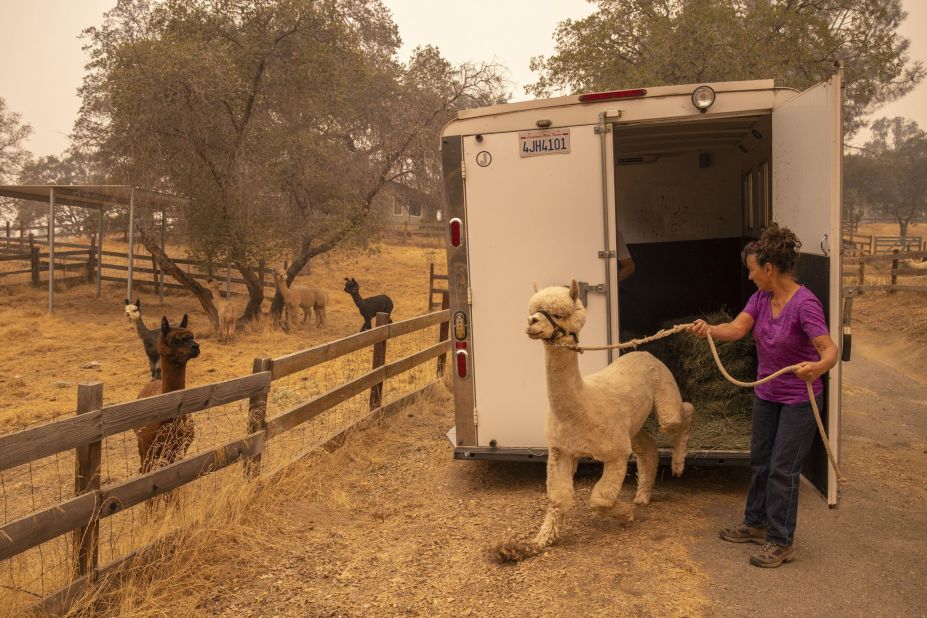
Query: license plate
536,143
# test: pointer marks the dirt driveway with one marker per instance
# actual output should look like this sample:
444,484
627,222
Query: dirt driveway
390,525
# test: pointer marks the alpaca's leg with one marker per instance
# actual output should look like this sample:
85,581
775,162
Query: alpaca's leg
604,498
681,438
306,309
320,317
645,450
366,325
560,469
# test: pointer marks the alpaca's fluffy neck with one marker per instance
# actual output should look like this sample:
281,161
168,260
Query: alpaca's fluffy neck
564,382
282,286
173,376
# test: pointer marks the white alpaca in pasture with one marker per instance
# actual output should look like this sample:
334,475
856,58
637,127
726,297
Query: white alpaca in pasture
226,309
600,416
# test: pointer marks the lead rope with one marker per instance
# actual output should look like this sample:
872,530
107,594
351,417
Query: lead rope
666,332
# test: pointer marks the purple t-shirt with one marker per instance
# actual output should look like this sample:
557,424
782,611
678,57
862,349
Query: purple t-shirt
786,340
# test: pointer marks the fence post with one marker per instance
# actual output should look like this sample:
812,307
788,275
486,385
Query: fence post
257,414
443,332
894,268
379,359
431,286
862,269
34,263
91,258
87,479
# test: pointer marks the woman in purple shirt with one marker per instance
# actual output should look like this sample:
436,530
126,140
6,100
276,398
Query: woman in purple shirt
789,328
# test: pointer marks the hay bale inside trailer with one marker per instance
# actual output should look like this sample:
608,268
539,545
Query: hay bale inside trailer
722,410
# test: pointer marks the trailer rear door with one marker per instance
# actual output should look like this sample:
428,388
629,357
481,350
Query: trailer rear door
533,215
807,148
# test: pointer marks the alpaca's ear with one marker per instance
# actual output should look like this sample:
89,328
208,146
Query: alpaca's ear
536,288
165,325
183,322
346,280
574,290
138,303
353,280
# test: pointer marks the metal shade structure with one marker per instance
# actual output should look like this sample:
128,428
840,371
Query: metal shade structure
95,197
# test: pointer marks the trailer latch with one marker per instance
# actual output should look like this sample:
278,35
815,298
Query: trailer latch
607,254
586,287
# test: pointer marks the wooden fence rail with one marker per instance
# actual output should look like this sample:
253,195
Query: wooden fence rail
856,267
84,433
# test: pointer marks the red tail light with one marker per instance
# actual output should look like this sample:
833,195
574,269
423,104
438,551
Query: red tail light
461,364
456,228
593,97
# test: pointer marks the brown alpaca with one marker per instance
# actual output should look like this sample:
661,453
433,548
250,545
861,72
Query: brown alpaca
226,309
300,297
163,443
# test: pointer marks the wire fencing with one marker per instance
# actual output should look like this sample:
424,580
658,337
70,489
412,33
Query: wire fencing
320,395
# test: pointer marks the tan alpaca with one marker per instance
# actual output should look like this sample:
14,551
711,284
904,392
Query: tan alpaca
599,416
226,308
302,297
918,264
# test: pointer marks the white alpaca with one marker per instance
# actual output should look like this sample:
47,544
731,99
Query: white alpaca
598,416
918,264
226,309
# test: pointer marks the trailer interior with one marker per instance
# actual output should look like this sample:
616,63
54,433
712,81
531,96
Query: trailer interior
689,195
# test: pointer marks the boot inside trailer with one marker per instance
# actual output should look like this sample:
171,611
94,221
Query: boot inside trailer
689,195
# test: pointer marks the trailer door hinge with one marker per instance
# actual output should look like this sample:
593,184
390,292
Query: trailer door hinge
602,128
607,254
463,170
469,297
475,417
585,288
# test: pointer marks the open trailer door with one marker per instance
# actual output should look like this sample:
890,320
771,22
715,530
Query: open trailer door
534,212
807,135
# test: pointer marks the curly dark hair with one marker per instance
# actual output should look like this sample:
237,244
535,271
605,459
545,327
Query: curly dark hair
777,246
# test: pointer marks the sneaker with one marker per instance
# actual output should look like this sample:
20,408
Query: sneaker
773,555
743,533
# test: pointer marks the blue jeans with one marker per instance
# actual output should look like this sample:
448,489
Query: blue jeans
782,436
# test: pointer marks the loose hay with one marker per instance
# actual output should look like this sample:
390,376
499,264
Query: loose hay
722,410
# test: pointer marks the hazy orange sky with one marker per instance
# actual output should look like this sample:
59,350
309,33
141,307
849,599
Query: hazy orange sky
43,63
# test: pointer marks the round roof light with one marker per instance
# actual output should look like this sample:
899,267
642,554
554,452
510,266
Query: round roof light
703,97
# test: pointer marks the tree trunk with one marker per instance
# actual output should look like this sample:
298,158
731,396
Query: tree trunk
255,284
903,228
168,266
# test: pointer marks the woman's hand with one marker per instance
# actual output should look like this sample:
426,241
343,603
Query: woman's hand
699,328
809,371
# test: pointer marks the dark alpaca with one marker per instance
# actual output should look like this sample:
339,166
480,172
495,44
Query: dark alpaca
163,443
368,307
149,337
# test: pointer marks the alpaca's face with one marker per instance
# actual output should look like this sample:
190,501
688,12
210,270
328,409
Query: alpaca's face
556,301
351,286
178,345
132,313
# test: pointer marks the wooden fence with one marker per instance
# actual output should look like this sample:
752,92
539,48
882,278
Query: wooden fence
856,267
82,257
81,514
865,244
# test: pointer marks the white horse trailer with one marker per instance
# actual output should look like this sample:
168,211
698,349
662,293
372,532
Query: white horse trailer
535,191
